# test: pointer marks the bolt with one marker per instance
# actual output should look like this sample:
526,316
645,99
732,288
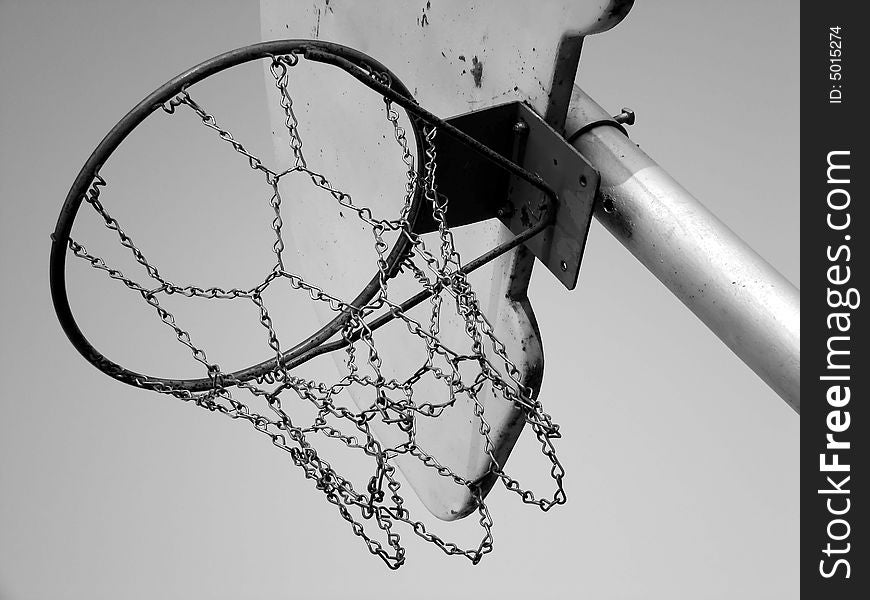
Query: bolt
521,127
626,116
505,211
583,181
563,265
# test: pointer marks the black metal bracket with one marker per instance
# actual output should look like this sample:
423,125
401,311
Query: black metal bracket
479,189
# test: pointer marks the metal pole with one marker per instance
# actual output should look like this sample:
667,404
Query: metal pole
736,293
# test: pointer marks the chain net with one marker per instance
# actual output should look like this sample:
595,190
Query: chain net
376,512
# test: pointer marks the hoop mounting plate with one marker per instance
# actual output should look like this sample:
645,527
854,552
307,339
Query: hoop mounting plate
479,190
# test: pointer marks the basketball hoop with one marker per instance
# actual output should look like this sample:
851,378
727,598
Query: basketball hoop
440,274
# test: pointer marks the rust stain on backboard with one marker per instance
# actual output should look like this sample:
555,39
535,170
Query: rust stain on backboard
477,71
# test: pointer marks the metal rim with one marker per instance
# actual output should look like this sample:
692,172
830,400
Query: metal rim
343,57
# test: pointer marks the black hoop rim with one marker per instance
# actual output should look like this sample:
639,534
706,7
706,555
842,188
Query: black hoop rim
345,58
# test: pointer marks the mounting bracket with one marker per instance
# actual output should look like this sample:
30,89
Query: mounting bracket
479,189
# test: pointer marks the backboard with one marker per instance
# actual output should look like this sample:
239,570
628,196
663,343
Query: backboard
455,57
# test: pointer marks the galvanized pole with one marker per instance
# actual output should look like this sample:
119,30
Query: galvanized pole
735,292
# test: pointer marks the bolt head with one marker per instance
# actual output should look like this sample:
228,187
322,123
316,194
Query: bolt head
520,127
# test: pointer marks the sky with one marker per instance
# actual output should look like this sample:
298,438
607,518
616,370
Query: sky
682,466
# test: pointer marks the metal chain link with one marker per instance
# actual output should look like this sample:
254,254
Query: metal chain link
394,403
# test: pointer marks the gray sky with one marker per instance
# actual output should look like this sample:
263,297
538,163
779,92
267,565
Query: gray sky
682,466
